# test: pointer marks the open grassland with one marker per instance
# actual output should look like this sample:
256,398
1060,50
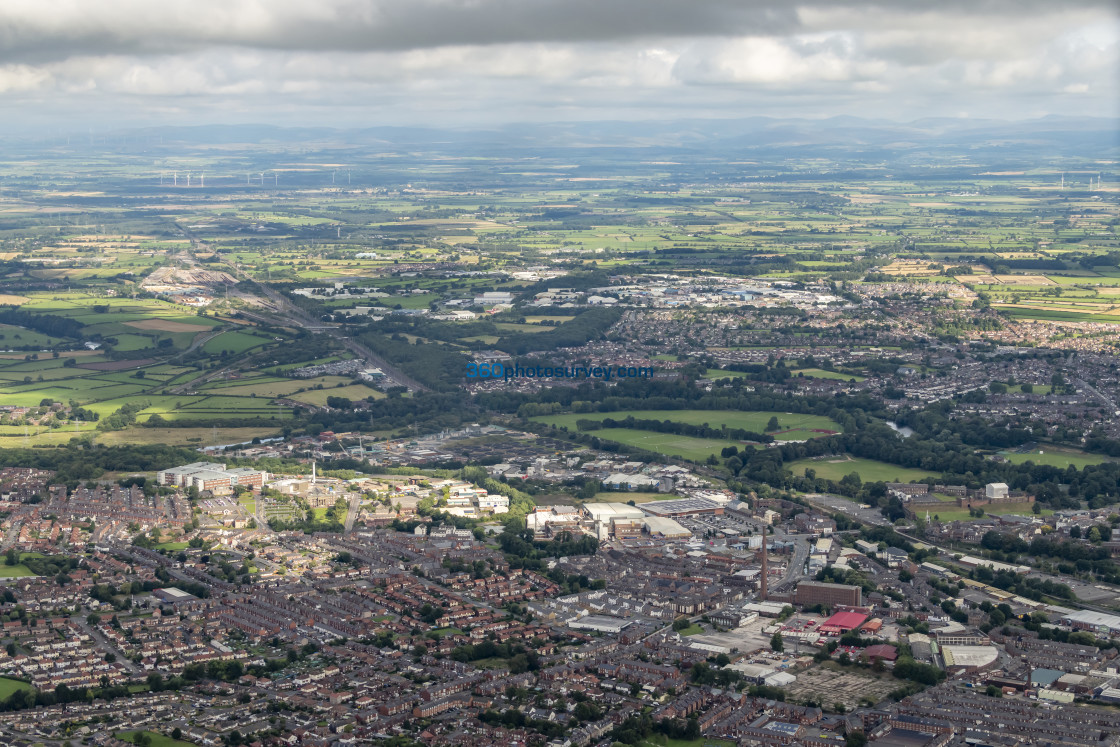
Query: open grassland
868,470
792,426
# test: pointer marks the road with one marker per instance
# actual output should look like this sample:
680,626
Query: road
12,534
262,518
796,565
199,341
1104,398
105,645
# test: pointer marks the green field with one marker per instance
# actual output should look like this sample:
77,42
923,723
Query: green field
158,740
818,373
869,470
623,496
352,392
793,427
9,686
14,571
719,373
234,342
200,436
172,546
660,740
1054,457
961,514
686,447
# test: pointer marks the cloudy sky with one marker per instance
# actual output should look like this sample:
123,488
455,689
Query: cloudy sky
479,62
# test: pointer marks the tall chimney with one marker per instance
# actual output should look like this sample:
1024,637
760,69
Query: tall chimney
765,570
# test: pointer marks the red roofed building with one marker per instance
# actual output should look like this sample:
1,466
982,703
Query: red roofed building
842,622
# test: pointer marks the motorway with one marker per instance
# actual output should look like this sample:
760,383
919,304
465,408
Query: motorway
288,314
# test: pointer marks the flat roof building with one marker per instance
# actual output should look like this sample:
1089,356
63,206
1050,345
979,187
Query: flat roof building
600,623
683,507
212,476
659,526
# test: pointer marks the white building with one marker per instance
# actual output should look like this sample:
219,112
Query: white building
995,491
493,502
605,513
490,298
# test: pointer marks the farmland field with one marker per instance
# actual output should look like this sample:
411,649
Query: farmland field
353,392
201,436
792,426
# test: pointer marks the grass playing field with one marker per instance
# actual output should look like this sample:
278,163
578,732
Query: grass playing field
1055,457
158,740
9,686
14,571
818,373
961,514
869,470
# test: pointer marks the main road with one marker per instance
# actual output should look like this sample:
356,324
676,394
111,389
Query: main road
352,513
